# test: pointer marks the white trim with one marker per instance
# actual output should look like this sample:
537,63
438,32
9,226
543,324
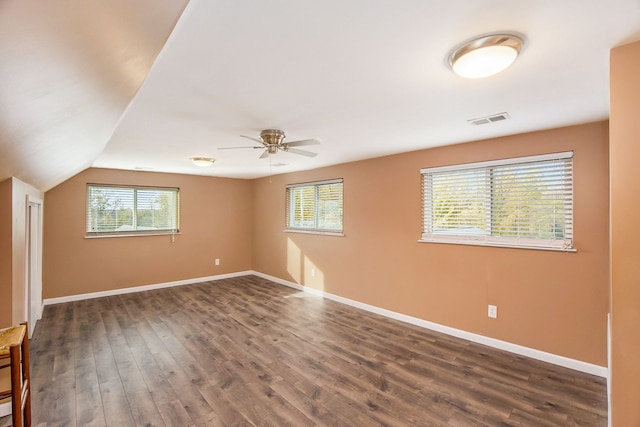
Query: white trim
33,199
33,285
460,240
555,359
79,297
313,231
500,162
106,234
313,183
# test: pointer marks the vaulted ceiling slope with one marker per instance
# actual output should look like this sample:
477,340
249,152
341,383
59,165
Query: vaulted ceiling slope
68,71
149,84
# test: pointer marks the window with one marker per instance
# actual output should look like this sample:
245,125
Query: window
522,202
113,210
315,207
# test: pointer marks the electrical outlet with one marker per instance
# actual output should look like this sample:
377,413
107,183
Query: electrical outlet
313,272
217,261
493,311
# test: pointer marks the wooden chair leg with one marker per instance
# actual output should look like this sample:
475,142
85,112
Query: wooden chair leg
26,378
16,387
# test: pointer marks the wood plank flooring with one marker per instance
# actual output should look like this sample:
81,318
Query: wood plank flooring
246,351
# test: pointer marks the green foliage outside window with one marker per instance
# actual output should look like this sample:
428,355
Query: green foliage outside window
315,207
131,209
517,202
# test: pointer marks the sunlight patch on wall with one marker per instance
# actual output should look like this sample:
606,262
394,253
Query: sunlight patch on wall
294,261
303,270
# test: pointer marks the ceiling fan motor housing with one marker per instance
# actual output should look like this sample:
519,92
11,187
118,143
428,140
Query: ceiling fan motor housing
272,136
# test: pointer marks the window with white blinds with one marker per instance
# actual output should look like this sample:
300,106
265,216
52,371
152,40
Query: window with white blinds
116,210
315,207
521,202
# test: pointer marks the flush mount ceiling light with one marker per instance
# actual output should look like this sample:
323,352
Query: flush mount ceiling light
485,56
203,162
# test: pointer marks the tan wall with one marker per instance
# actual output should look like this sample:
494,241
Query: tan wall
551,301
5,254
625,234
215,221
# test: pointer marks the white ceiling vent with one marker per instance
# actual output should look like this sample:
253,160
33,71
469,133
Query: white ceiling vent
490,119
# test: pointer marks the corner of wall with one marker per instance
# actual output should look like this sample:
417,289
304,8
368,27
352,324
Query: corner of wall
6,258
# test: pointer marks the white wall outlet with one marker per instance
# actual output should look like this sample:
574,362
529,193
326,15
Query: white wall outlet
493,311
313,272
217,261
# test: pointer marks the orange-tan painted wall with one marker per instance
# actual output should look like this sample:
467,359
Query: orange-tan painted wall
625,234
215,218
6,258
551,301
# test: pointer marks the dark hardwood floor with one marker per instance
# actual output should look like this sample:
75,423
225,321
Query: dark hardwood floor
246,351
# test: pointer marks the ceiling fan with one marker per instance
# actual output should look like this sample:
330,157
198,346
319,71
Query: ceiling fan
272,141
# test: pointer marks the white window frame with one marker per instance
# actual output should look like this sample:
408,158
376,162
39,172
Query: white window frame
314,229
92,232
565,244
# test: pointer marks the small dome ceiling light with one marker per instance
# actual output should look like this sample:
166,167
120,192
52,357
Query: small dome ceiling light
203,162
485,56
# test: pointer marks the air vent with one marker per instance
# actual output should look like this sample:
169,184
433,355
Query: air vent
490,119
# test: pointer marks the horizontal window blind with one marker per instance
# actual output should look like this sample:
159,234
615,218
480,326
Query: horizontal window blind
316,206
114,210
521,202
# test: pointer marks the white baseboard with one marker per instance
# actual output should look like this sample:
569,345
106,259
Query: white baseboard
577,365
58,300
555,359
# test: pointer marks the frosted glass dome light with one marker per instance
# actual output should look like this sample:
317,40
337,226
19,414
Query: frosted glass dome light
485,56
203,162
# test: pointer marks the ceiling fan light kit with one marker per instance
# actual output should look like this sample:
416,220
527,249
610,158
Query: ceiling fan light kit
485,56
272,141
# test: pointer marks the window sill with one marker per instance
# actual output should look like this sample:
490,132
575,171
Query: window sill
496,245
323,233
104,236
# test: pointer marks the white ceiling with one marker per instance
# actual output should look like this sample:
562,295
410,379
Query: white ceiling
83,83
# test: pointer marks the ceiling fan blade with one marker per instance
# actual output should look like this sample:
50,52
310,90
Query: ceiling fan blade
231,148
302,152
302,142
264,155
253,139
